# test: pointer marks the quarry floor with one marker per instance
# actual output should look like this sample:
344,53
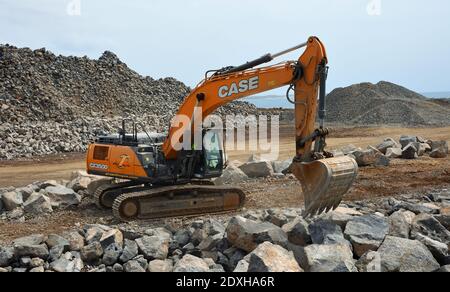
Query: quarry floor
403,176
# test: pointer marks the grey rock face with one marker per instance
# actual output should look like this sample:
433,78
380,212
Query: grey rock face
328,258
12,200
257,169
405,255
247,234
326,232
153,247
298,232
268,257
366,233
191,264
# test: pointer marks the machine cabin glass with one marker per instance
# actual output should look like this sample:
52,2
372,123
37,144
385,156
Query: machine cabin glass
213,152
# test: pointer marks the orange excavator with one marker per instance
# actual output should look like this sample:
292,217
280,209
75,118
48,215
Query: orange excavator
157,178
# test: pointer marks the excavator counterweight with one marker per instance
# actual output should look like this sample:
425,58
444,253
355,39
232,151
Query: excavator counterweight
160,180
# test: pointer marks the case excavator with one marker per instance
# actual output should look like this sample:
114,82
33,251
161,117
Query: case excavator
155,178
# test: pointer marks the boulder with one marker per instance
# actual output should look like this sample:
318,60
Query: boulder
91,253
133,266
410,151
76,241
405,140
38,203
57,240
231,175
405,255
281,166
369,262
37,270
326,232
130,250
247,234
298,232
31,250
113,236
12,200
160,266
257,169
268,257
153,247
438,249
111,254
444,269
328,258
349,149
400,223
429,226
439,149
55,253
6,256
416,208
191,264
366,233
63,196
34,239
394,153
386,144
366,157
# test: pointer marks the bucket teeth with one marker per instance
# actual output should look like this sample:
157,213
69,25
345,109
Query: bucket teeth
325,182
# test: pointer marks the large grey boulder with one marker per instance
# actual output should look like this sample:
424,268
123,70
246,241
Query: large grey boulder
153,247
386,144
38,203
191,264
63,196
366,233
405,140
370,262
247,234
111,254
268,257
67,264
410,151
133,266
130,250
328,258
6,256
405,255
439,149
400,223
57,240
231,175
12,200
75,239
298,232
429,226
31,250
113,236
326,232
257,169
281,166
438,249
394,153
92,252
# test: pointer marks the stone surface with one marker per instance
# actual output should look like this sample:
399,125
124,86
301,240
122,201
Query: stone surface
6,256
439,149
405,140
92,252
113,236
191,264
281,166
130,250
133,266
63,196
400,223
247,234
370,262
326,232
257,169
386,144
297,232
366,233
160,266
76,240
33,251
394,153
153,247
111,255
231,175
328,258
438,249
405,255
12,200
427,225
57,240
38,203
409,151
268,257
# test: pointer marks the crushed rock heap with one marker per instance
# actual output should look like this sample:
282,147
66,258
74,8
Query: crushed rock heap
385,103
52,104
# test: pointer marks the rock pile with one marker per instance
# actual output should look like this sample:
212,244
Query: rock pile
51,104
384,235
16,204
385,103
409,147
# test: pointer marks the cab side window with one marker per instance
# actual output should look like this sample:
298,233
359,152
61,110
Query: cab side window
101,153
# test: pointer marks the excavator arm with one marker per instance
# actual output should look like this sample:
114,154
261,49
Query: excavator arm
324,179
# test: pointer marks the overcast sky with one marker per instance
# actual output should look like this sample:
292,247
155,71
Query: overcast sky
406,42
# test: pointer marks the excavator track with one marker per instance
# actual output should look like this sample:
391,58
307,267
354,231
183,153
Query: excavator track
172,201
106,194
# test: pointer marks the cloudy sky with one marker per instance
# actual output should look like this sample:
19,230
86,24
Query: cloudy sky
406,42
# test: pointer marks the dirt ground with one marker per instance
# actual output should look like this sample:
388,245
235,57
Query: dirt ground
403,176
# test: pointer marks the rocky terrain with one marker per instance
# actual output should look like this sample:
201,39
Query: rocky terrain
52,104
385,103
410,232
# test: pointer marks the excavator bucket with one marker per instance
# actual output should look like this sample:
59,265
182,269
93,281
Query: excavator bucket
325,182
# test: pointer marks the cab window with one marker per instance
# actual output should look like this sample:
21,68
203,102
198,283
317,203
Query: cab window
101,152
